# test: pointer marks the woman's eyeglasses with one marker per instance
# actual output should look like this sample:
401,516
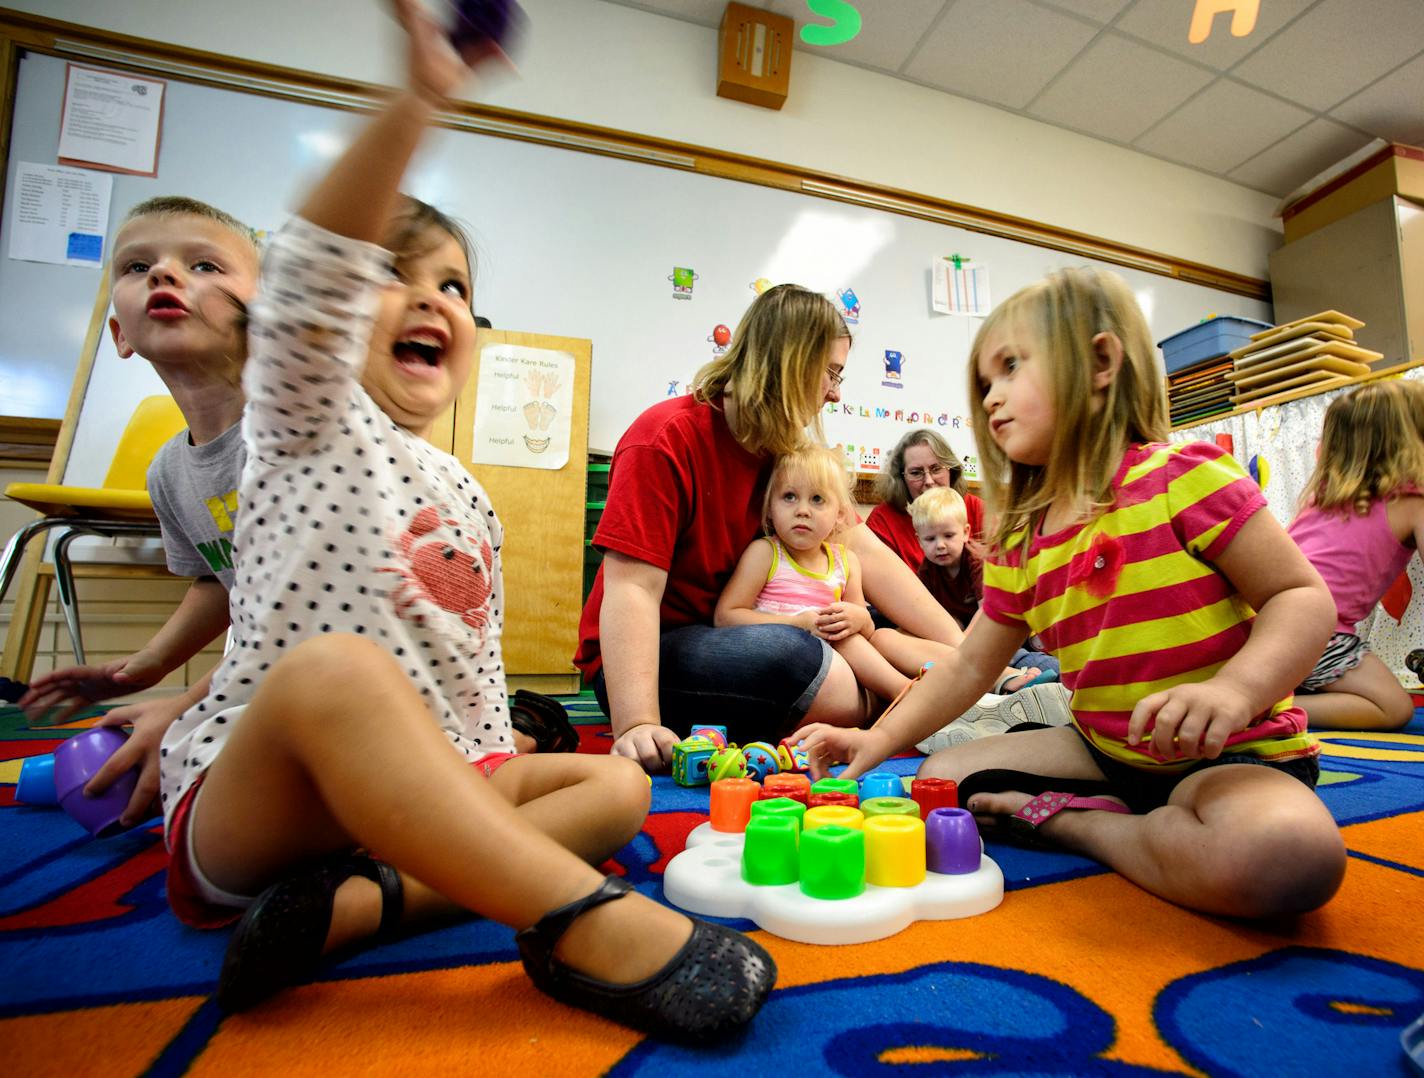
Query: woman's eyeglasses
835,376
934,471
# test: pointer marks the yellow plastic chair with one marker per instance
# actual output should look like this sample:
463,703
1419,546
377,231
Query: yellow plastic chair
121,507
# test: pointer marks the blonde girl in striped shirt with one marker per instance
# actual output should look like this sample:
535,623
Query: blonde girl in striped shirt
1182,615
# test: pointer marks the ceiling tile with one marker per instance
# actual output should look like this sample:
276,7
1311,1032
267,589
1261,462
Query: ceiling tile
1392,108
1118,88
1003,51
1281,168
889,30
1336,49
1098,10
1223,126
1165,23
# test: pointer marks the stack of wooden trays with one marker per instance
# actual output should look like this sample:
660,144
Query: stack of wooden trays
1313,353
1198,393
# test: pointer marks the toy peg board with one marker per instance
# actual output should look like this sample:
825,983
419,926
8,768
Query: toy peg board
542,511
706,879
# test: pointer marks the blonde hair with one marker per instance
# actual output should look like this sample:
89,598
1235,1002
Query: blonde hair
183,206
773,368
937,505
822,470
1371,445
1057,319
890,480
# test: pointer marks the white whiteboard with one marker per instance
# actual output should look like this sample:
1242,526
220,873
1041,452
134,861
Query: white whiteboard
570,244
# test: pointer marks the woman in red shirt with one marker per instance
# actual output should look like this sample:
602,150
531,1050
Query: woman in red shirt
920,460
684,501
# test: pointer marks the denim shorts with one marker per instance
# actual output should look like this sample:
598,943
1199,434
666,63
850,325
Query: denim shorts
756,680
1146,790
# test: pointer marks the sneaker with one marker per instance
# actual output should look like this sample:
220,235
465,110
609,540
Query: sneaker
1044,705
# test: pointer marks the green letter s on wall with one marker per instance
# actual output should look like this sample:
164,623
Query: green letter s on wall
845,23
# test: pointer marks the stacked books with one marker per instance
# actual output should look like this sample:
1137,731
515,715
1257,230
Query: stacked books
1313,353
1196,394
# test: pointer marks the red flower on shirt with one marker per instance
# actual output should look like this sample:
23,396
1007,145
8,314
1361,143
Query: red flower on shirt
1097,569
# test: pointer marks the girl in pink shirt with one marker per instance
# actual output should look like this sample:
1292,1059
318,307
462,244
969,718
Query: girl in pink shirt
797,573
1361,521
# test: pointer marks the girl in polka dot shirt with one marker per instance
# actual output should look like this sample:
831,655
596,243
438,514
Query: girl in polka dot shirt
350,774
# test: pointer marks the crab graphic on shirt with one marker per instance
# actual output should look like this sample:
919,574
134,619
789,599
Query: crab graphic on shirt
442,563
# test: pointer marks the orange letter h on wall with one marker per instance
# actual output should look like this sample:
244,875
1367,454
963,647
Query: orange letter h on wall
1243,17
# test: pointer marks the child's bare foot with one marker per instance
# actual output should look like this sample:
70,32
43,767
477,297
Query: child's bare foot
1042,817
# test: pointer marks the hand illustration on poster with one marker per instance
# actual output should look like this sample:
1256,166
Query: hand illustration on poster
524,407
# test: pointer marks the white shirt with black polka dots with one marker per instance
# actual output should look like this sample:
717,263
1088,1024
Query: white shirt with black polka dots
349,523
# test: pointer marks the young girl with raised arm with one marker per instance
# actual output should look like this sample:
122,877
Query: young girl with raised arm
350,773
1361,520
1182,614
796,574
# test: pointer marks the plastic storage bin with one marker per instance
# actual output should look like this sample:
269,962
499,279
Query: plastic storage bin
1207,340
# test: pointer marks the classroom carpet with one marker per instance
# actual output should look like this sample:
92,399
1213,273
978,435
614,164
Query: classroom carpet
1077,972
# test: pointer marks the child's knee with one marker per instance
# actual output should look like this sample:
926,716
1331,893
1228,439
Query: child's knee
1285,869
328,667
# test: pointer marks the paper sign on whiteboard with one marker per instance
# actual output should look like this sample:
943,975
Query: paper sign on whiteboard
524,407
960,289
59,215
111,121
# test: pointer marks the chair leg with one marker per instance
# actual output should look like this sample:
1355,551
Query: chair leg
15,548
68,601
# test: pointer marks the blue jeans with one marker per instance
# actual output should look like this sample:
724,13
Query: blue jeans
1023,659
756,680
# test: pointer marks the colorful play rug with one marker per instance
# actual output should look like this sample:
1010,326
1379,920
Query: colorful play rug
1077,972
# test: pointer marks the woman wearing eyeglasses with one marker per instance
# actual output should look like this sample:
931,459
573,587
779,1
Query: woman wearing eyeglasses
922,459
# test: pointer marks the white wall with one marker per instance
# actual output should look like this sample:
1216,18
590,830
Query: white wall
613,66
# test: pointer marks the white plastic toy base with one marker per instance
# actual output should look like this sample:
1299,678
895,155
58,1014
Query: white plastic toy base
706,878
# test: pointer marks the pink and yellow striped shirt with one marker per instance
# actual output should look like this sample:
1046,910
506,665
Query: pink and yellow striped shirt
1131,604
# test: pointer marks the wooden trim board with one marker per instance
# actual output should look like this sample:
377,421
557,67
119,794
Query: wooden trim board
1325,362
1289,333
1312,379
1328,317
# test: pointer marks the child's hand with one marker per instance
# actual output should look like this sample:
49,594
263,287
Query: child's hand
649,744
808,620
57,696
150,720
827,745
840,620
1189,721
436,69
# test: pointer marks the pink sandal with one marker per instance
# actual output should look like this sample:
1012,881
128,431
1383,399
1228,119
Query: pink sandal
1024,823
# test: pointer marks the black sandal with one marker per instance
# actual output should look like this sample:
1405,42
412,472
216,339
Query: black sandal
709,989
278,942
544,719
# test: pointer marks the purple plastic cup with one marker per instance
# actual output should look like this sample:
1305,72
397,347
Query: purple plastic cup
500,22
36,785
76,761
951,842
